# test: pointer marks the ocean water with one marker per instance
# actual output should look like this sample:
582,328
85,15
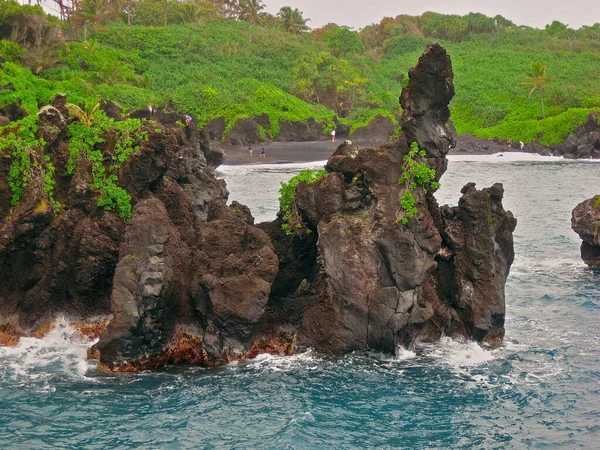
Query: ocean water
541,389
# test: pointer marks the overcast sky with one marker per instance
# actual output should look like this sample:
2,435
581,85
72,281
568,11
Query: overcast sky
358,13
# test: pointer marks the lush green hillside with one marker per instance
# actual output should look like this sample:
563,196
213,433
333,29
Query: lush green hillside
213,66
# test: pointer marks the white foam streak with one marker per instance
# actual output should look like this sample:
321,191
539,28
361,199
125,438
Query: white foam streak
62,351
266,363
460,354
505,157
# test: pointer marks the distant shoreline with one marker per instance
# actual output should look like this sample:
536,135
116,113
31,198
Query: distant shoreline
280,153
301,152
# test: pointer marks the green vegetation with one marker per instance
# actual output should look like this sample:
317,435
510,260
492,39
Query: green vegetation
232,60
536,78
21,141
415,173
292,222
85,137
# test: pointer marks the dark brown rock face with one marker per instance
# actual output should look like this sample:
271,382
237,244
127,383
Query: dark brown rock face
475,259
425,102
584,143
310,130
586,223
378,131
377,282
55,263
191,280
145,288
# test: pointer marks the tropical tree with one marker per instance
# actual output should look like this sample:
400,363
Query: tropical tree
324,79
537,79
293,22
250,10
191,13
342,41
93,13
226,9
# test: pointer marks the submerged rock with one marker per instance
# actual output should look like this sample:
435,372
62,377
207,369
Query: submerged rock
585,222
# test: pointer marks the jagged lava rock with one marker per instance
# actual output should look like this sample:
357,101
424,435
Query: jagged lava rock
145,288
376,282
585,221
64,262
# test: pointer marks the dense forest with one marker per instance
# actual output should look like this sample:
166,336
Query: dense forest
231,59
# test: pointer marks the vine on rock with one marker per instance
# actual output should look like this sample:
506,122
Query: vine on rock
85,136
22,141
415,173
292,222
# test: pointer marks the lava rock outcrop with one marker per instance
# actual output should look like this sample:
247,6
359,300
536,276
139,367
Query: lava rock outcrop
192,280
377,282
585,221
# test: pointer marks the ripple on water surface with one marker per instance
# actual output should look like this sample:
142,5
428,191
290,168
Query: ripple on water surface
540,389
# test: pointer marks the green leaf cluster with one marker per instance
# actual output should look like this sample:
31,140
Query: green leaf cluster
21,141
292,222
85,140
415,173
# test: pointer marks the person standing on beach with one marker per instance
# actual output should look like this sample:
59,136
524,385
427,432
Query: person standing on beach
151,109
250,152
333,135
262,152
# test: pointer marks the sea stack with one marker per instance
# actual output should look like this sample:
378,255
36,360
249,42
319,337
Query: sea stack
390,268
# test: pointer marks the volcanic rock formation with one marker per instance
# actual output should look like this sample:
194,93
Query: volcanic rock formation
379,280
191,280
586,223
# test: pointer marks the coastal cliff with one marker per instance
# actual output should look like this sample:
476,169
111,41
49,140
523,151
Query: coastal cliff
184,278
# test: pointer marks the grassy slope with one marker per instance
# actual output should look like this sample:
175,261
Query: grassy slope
235,70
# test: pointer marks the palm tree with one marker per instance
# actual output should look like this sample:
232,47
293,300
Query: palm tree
250,10
191,13
86,115
92,13
227,8
537,79
293,22
90,45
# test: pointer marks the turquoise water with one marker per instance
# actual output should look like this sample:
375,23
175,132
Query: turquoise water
540,390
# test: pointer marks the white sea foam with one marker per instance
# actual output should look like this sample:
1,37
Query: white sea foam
267,363
62,350
504,157
459,354
403,354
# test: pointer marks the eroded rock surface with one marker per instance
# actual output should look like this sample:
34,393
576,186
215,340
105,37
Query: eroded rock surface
377,282
193,281
585,222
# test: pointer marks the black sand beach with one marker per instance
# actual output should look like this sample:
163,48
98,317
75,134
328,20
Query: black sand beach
280,152
298,152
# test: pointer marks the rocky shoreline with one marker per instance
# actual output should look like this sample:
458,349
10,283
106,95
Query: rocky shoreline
585,221
374,262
